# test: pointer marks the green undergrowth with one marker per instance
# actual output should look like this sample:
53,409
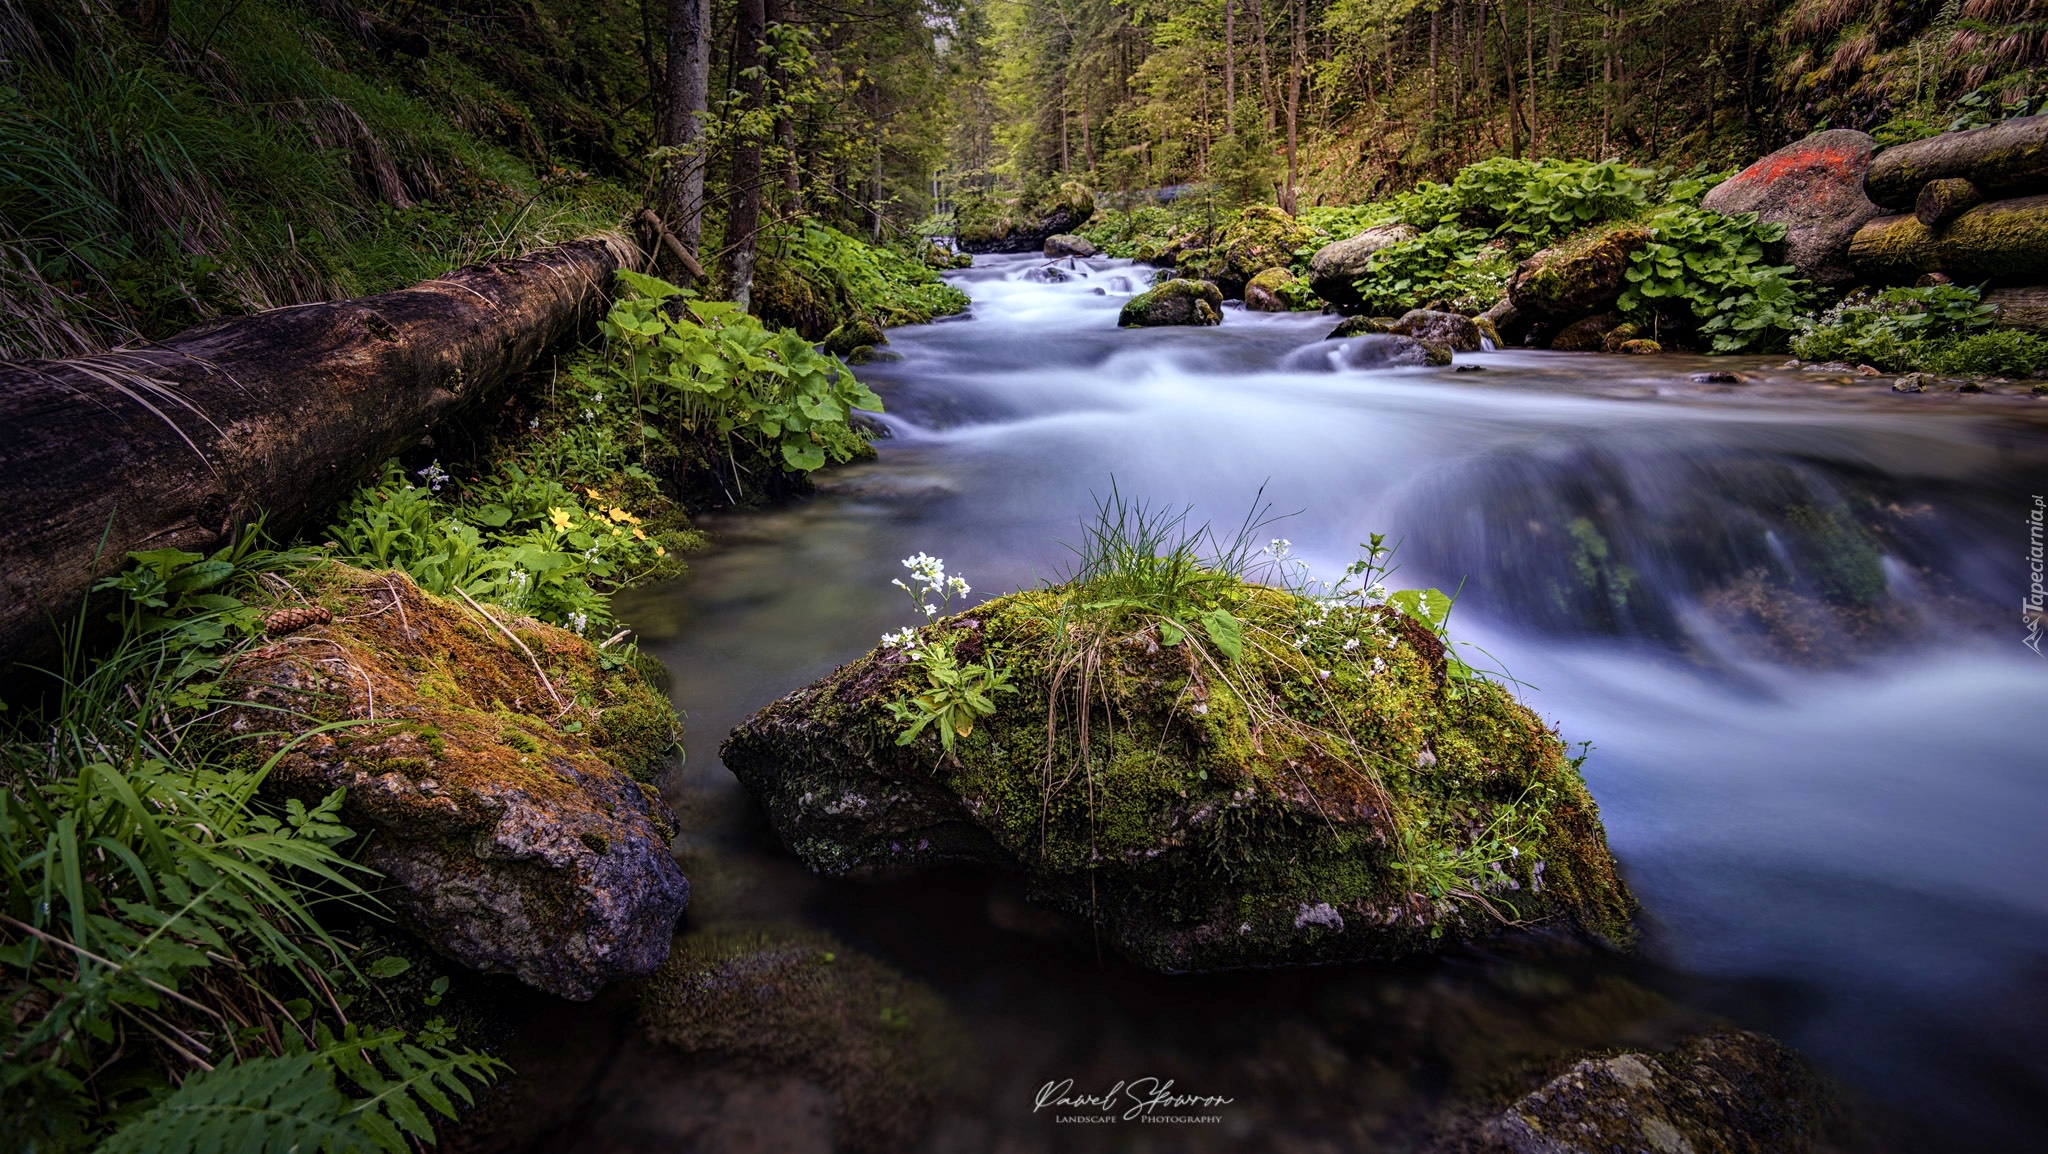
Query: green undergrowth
259,156
814,278
1943,329
175,978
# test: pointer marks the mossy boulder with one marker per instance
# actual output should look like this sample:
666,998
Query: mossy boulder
1731,1092
1815,188
513,817
1454,331
1335,268
1586,336
990,225
1583,275
1640,347
1262,292
1174,302
854,334
770,1001
2003,240
1067,244
1361,326
1346,799
1261,237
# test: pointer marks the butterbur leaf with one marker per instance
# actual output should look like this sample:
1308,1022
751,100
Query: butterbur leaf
1432,607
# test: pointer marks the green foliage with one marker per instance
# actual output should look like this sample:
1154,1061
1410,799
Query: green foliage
1540,201
1447,263
861,280
1242,165
953,695
1935,328
156,905
1714,267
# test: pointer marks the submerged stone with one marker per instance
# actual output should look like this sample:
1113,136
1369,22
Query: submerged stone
1352,798
793,1002
1454,331
1174,302
519,835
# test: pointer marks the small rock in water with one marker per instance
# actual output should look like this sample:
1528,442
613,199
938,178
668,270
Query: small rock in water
1970,387
1098,290
1912,383
1641,347
1717,377
1868,371
1470,369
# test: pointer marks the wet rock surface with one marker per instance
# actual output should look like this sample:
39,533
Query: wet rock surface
1454,331
1067,244
1335,266
1815,188
513,844
1582,276
1262,292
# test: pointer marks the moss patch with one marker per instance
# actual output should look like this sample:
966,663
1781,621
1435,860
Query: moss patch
1289,805
1175,302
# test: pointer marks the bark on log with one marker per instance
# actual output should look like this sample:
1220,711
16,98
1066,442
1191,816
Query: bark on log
2005,240
2022,307
2009,158
179,443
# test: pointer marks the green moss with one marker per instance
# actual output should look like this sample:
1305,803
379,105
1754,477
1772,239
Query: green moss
1287,805
1175,302
1262,237
1583,275
2002,240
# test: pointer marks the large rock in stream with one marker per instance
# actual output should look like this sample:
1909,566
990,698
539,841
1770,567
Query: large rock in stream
512,816
1336,266
1815,189
1174,302
1580,277
1347,799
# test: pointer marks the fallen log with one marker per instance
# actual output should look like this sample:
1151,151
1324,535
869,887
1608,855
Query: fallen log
2023,307
2009,158
179,443
2004,240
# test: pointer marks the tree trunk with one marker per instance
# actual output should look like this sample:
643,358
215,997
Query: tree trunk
745,219
178,443
1265,65
1230,63
1297,58
784,12
1507,60
2005,240
679,199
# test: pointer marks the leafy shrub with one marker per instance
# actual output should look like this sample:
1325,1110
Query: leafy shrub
1448,263
1715,267
160,915
859,279
1936,328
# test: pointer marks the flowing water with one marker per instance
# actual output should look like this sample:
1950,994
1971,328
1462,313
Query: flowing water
1785,612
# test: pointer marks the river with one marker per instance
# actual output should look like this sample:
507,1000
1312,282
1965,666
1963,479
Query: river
1786,614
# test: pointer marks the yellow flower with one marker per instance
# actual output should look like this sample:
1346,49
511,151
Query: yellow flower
632,519
639,535
594,494
560,518
660,552
618,514
618,532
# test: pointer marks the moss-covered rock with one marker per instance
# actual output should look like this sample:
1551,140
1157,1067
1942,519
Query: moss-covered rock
1729,1092
1612,340
990,224
506,789
1174,302
1262,236
1067,244
854,334
2004,240
781,1002
1454,331
1585,336
1342,800
1361,326
1488,332
1262,292
1336,266
1640,347
1583,275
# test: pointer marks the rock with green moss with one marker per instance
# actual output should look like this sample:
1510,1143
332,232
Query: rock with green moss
2003,240
1295,782
1261,237
1732,1092
1067,244
792,1002
1361,326
1583,275
1585,336
1023,224
1640,347
1262,292
505,787
853,334
1174,302
1612,340
1336,267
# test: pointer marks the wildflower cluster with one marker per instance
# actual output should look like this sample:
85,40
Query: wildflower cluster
928,581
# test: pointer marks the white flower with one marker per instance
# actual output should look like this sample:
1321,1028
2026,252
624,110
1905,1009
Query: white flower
534,423
597,398
958,586
1279,547
902,638
1322,675
930,610
579,621
1350,643
589,416
1377,592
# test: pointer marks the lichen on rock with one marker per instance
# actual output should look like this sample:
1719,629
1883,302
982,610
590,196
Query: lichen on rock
1815,188
1454,331
514,816
1262,292
1174,302
1581,276
1344,800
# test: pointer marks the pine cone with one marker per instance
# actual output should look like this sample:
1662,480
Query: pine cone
292,620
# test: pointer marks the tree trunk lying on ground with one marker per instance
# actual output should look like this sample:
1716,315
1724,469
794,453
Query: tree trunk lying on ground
2005,240
2009,158
179,443
2021,307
